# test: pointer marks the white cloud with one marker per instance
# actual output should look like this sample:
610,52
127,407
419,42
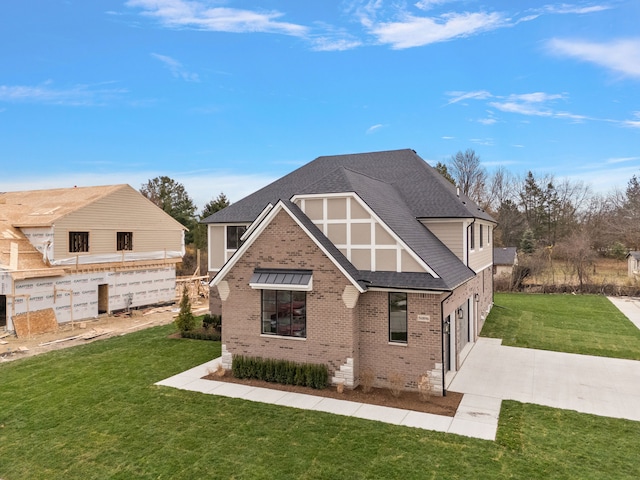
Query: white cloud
374,128
412,31
429,4
77,95
575,9
528,104
621,56
622,159
460,96
198,15
176,68
487,121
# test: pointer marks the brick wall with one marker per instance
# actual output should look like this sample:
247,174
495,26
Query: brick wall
330,324
418,356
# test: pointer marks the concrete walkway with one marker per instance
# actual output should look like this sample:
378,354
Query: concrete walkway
477,415
491,373
629,306
599,385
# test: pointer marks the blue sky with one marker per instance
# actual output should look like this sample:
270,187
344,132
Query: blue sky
229,95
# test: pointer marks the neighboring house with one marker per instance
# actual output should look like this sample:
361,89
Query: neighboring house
633,263
365,262
78,252
504,259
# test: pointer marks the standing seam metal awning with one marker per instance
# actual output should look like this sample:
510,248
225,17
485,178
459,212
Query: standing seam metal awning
281,279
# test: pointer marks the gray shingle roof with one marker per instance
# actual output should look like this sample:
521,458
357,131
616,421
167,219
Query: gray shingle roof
504,256
426,193
398,186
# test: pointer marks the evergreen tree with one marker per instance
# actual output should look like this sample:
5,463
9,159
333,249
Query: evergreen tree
527,244
185,321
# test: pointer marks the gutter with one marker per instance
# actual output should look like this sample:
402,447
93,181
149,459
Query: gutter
444,392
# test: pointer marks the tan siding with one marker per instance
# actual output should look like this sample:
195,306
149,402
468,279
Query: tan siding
449,233
357,211
337,208
481,257
409,264
313,209
382,237
124,210
216,246
337,233
386,261
361,258
361,234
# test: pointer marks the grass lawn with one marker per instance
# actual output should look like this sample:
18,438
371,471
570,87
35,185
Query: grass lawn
92,412
587,324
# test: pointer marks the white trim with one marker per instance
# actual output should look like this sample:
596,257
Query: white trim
407,290
256,222
260,228
286,287
322,224
285,337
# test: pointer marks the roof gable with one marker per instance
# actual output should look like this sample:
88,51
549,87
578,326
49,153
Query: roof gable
312,232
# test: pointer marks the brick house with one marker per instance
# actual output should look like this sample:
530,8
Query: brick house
365,262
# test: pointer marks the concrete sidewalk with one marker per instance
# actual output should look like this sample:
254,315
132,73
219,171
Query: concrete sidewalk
589,384
477,415
629,306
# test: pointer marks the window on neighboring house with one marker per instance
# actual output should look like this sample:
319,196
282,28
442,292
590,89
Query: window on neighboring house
78,242
481,236
472,237
284,313
124,241
398,317
234,233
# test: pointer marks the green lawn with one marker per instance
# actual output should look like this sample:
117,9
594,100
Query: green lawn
587,324
92,412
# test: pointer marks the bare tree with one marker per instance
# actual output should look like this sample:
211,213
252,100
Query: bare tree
469,175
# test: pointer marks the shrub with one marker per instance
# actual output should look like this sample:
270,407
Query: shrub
396,383
185,321
211,321
367,378
201,335
281,371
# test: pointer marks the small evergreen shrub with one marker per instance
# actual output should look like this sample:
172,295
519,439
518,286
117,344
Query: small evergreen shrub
201,335
185,321
211,321
281,371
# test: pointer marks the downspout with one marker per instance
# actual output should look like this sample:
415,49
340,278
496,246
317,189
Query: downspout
444,391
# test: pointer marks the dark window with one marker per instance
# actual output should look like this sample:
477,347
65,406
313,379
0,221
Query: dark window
481,236
78,241
234,233
472,237
398,317
284,313
124,241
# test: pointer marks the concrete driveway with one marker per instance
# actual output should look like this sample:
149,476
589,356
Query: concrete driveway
589,384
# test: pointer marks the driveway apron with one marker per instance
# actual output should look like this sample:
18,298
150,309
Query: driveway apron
585,383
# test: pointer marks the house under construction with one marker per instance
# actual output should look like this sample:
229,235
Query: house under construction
72,253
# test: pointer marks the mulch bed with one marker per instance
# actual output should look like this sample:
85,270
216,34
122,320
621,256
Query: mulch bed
446,405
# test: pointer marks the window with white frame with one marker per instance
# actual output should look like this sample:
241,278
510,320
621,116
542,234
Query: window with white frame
234,234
